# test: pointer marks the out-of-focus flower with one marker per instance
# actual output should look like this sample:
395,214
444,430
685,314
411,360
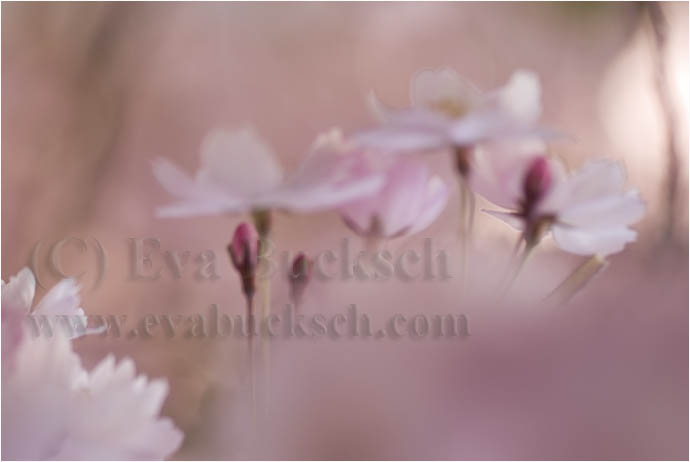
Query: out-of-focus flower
244,252
408,203
588,211
239,173
299,277
52,408
61,300
449,112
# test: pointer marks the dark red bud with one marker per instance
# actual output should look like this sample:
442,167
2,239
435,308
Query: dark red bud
299,277
537,181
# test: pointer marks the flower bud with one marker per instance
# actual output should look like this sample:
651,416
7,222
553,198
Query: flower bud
537,180
299,277
243,250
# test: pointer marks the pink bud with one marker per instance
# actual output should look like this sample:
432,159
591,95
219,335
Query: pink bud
244,251
244,247
299,277
537,181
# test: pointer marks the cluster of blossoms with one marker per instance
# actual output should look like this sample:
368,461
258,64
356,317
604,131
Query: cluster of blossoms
52,408
381,188
382,191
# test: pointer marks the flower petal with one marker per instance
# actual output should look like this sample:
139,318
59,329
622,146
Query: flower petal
430,87
18,293
238,162
612,210
434,202
590,241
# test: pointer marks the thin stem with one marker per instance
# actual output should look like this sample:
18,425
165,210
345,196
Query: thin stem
265,293
467,205
577,280
518,268
250,355
513,260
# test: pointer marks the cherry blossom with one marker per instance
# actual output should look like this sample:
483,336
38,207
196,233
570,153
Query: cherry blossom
408,203
239,173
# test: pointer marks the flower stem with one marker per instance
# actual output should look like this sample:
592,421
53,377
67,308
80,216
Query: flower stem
250,355
577,280
467,202
262,220
519,265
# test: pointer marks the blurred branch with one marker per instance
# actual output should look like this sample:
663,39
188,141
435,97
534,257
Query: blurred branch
660,37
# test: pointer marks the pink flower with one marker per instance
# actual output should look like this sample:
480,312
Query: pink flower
52,408
449,112
239,173
588,211
408,203
62,299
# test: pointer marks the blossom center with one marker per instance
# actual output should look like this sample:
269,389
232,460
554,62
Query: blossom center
452,109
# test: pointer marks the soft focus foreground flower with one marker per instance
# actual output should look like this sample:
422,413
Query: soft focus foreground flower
588,211
448,111
408,203
239,173
62,299
52,408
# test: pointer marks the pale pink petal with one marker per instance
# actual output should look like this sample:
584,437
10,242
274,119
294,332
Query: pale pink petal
434,86
595,179
403,196
63,298
434,202
200,208
402,139
498,170
180,185
18,293
620,209
323,197
520,98
238,162
324,180
590,241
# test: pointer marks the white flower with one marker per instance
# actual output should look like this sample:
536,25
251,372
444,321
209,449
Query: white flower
239,173
409,202
52,408
61,300
449,112
588,211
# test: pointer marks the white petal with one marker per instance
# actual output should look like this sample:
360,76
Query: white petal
324,181
595,179
239,162
179,184
402,139
18,293
521,97
590,241
433,86
612,210
200,208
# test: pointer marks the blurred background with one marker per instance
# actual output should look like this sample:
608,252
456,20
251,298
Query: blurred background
92,92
